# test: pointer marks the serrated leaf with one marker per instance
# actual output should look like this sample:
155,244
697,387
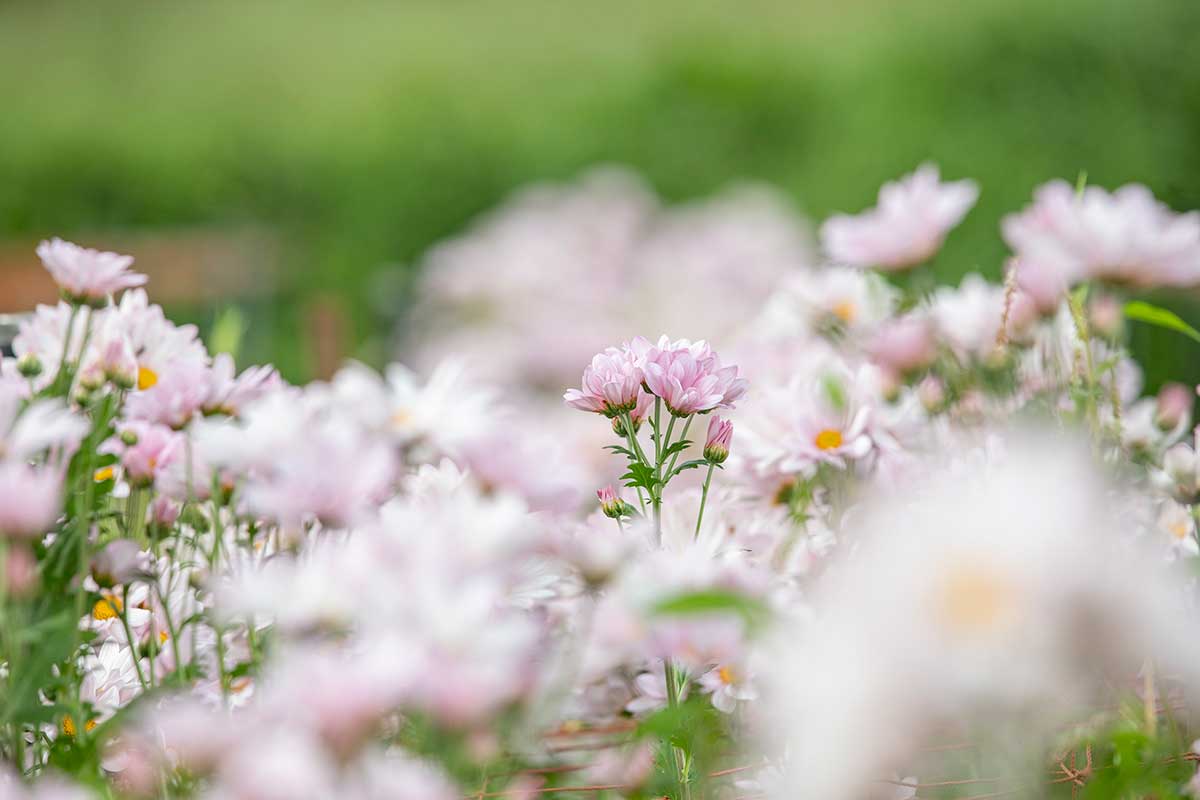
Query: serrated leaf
1142,311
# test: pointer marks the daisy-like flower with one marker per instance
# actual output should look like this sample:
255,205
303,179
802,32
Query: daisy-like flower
145,450
611,383
1125,237
907,227
173,398
727,684
86,275
831,419
688,376
228,392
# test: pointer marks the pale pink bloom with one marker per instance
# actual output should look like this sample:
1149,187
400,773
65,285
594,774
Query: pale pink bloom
831,416
392,776
87,275
1044,288
1125,237
716,445
228,393
27,431
687,375
110,679
904,344
727,684
173,398
280,764
969,317
611,383
154,448
30,499
627,767
1174,406
651,688
121,561
159,345
907,227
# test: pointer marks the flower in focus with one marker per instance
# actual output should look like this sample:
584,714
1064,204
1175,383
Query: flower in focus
716,445
87,275
610,504
907,227
611,383
688,376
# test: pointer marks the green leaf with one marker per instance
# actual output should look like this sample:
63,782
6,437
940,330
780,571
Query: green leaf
714,601
1145,312
696,462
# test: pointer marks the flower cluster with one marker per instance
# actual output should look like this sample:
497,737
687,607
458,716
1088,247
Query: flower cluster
440,583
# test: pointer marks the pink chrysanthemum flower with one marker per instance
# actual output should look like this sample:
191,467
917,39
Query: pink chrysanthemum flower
610,383
1125,237
688,376
87,275
720,434
907,227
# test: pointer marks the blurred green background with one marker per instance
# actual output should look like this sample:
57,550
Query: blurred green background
355,134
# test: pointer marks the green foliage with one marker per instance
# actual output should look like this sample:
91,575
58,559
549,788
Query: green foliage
715,601
403,121
1146,312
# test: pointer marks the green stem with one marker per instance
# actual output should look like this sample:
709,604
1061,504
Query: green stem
672,682
87,336
682,436
703,500
66,348
137,664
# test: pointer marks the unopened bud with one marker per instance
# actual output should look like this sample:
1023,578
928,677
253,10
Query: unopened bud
932,394
720,435
1174,406
29,365
1105,317
612,506
128,437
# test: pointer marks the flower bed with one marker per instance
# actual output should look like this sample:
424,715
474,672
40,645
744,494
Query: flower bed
894,540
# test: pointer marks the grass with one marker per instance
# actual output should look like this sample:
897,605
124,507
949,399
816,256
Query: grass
363,132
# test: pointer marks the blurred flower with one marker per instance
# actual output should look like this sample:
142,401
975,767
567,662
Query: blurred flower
1174,406
121,561
1125,237
87,275
30,500
906,228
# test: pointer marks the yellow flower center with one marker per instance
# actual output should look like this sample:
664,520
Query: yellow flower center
829,439
974,598
726,675
845,311
146,378
401,417
103,474
1178,529
107,608
68,726
162,637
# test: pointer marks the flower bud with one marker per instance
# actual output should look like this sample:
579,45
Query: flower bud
120,562
612,506
29,365
1105,317
129,437
720,434
932,394
1174,406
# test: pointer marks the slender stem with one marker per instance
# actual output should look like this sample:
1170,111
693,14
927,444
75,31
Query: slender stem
137,664
66,348
687,424
87,335
669,676
636,449
703,499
